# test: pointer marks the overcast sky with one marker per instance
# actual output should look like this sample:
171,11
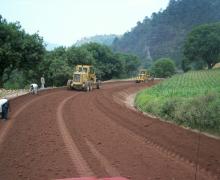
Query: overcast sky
65,21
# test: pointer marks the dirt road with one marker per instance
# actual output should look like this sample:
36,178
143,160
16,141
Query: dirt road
60,134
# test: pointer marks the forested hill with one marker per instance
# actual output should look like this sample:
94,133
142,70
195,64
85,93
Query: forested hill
163,34
101,39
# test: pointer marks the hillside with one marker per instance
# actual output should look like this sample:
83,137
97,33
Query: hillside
191,99
163,34
101,39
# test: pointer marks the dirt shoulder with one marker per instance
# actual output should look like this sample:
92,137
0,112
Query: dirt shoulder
130,103
12,93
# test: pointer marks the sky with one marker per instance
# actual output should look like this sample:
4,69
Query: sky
63,22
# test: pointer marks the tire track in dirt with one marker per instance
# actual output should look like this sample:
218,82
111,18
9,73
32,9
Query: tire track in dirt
105,163
159,148
124,150
140,131
5,129
76,157
109,138
34,147
74,152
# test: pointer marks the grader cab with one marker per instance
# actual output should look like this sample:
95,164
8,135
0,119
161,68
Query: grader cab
143,76
84,78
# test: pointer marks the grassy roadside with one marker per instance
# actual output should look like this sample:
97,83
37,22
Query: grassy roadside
191,100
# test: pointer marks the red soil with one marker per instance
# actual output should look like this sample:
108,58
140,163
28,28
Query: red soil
59,134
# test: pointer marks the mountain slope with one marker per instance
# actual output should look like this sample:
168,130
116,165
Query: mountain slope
101,39
164,33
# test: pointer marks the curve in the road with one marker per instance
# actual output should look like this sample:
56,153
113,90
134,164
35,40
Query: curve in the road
76,157
125,151
124,120
69,134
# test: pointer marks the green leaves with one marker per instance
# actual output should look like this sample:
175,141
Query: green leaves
163,68
58,64
26,54
203,44
107,64
18,50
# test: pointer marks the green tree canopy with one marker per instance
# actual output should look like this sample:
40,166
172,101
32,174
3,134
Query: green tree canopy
163,68
55,67
58,65
18,50
23,59
203,44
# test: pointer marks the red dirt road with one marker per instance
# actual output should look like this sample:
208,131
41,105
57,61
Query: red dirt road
62,134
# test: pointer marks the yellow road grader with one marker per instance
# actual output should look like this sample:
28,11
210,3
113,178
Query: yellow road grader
84,78
143,76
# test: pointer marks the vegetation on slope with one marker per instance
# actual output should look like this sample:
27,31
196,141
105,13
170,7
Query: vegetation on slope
163,68
100,39
191,99
202,46
164,33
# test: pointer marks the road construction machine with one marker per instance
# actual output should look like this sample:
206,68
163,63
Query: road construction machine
143,76
84,78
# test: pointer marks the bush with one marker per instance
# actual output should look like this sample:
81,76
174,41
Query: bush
16,81
168,108
163,68
201,112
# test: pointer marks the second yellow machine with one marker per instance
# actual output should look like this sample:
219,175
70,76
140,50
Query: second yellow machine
143,76
84,78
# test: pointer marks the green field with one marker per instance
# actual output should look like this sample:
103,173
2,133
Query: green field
191,99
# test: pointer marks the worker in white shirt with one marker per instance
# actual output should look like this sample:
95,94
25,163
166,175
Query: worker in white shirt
4,107
42,80
33,88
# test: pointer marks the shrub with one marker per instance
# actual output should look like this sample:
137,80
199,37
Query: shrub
163,68
201,112
16,81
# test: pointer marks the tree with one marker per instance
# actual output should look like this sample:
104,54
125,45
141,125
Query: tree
79,55
163,68
55,67
203,44
107,65
129,64
18,50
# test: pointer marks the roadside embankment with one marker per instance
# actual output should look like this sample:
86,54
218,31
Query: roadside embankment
191,100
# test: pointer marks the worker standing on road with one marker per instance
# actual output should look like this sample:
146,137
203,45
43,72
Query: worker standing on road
42,80
33,88
4,107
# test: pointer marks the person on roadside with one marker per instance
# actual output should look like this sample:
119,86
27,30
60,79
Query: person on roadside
4,107
42,80
33,88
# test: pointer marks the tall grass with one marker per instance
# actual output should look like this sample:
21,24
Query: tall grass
191,99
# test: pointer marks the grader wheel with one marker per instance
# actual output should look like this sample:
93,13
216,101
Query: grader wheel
98,84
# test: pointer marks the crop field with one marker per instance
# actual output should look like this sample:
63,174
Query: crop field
191,99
